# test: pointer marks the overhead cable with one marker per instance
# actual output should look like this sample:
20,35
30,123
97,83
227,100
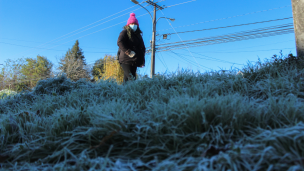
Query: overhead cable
230,26
238,33
189,61
95,32
64,36
223,51
48,49
211,58
245,35
228,39
161,61
227,18
179,4
179,37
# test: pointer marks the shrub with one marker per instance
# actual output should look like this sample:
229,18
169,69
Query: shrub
7,93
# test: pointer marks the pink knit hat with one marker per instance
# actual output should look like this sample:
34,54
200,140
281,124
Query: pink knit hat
132,20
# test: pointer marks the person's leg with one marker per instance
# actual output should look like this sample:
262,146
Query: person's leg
127,71
133,71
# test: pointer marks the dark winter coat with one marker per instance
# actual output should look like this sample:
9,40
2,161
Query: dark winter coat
126,45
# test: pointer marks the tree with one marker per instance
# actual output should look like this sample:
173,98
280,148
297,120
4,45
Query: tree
77,52
112,69
73,64
11,73
2,80
98,69
35,70
108,68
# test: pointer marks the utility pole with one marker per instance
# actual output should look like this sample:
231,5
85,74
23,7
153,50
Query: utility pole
153,37
153,45
154,21
298,21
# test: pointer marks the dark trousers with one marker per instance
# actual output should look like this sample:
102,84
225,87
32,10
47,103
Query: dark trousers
129,71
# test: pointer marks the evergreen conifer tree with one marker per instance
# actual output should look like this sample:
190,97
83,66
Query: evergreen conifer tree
76,51
73,64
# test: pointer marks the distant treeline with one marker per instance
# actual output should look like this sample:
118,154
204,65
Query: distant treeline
24,73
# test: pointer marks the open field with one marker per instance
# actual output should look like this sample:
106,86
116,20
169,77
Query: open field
180,121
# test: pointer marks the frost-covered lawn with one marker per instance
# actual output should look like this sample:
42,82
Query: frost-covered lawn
179,121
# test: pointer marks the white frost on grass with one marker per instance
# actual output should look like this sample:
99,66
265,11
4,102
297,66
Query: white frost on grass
179,121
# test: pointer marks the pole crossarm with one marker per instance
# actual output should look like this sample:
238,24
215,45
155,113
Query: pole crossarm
154,4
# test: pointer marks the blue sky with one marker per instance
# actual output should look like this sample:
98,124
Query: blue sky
50,27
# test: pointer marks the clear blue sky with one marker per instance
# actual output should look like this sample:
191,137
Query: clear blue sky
50,27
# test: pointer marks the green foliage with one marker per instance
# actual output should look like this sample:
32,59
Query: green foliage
2,80
33,71
23,74
73,64
98,69
6,93
76,51
11,74
272,68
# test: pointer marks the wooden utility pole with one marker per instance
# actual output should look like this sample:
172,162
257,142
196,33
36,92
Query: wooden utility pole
298,21
153,36
154,21
153,45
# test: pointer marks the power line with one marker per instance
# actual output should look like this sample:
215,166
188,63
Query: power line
97,25
185,59
89,25
239,33
96,31
179,37
227,17
42,42
47,48
211,58
189,61
251,51
149,60
251,34
227,40
161,61
252,46
231,26
85,26
179,4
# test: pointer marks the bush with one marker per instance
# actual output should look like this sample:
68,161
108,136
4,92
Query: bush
276,67
59,85
7,93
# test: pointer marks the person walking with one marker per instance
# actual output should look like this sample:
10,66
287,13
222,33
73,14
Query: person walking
131,48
